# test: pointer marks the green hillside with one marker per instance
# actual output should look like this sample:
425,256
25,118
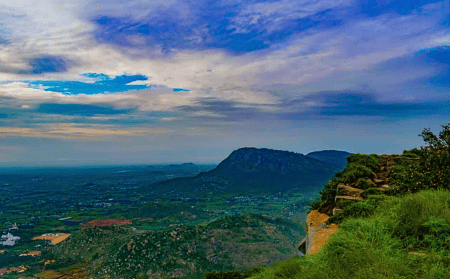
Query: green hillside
233,242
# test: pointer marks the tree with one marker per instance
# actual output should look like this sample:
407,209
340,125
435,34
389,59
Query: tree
432,169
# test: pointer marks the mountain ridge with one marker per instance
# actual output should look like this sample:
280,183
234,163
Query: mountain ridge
258,169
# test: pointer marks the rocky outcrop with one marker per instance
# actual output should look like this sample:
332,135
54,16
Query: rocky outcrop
318,232
379,182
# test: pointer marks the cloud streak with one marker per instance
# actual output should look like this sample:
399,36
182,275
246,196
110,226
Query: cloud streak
76,132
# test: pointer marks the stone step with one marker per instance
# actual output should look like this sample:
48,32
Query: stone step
337,211
349,198
345,190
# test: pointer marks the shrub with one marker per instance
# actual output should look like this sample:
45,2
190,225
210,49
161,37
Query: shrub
355,172
413,153
371,192
437,234
406,215
431,170
371,161
327,195
223,275
363,183
252,271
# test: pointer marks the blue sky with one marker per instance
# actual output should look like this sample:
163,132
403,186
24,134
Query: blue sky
95,82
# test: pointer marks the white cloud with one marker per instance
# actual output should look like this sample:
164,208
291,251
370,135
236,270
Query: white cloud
275,15
59,27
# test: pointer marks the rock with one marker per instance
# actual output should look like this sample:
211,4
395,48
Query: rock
349,198
344,190
337,211
371,182
317,231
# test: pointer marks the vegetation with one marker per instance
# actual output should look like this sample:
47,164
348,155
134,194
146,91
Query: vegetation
431,167
234,274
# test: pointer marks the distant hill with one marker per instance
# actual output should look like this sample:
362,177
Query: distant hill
333,157
186,169
252,169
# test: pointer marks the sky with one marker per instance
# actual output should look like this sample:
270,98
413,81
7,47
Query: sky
96,82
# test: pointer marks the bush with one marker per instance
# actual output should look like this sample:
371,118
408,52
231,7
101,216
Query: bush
234,274
413,153
406,215
354,172
363,183
371,161
431,170
327,195
437,234
371,192
223,275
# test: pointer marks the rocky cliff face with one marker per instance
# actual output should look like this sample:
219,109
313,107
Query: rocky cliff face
317,232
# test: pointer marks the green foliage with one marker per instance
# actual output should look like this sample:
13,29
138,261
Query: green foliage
252,271
327,195
223,275
412,153
354,172
431,170
406,216
437,234
358,209
234,274
363,183
372,192
371,161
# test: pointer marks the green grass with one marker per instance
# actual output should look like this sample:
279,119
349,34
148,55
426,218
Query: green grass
377,246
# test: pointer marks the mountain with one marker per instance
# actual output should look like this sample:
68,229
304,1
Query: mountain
252,169
333,157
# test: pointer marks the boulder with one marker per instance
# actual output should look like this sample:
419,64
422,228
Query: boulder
344,190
